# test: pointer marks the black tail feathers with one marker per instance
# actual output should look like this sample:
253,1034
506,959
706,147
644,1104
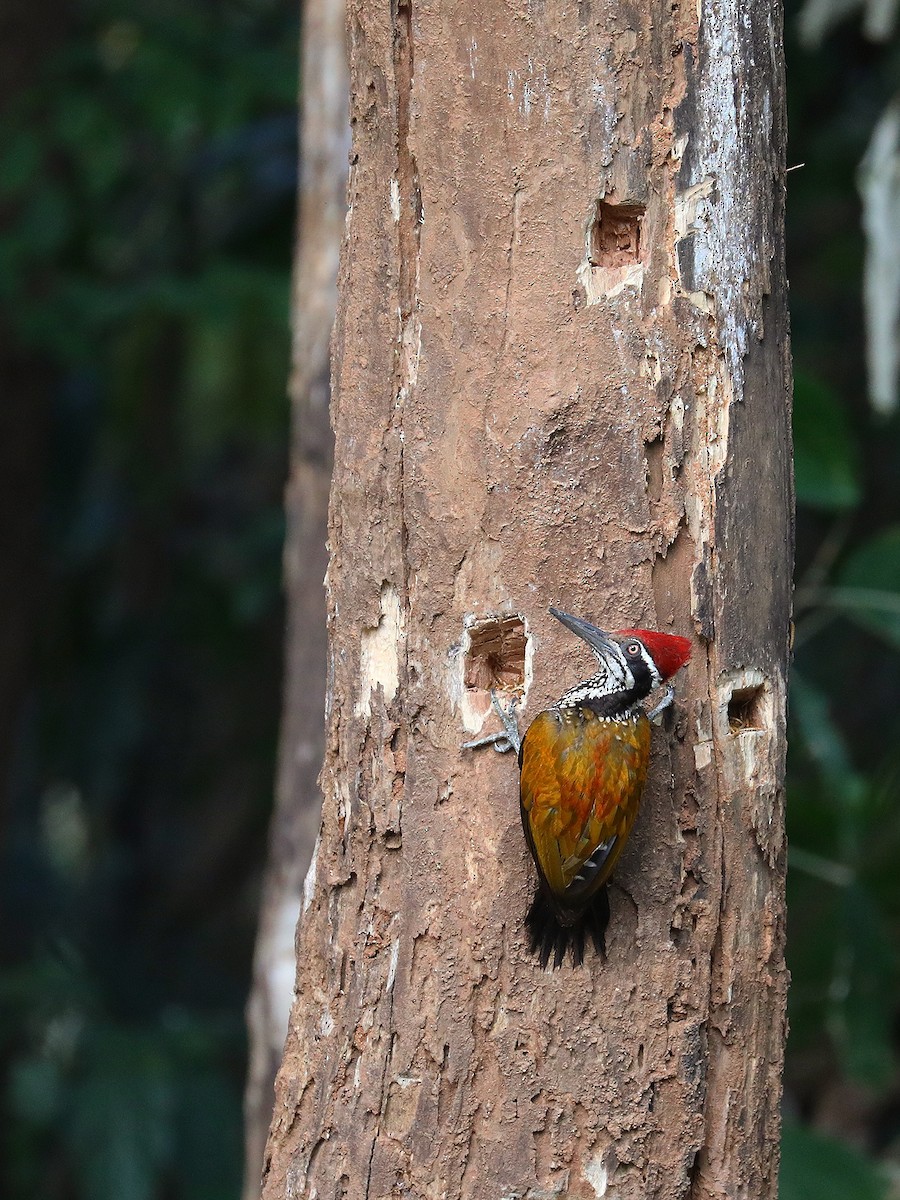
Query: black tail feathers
547,934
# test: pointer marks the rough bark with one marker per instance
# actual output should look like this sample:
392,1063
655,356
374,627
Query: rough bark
324,140
560,376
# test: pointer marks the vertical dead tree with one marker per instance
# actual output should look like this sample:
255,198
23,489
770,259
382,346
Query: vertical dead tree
560,375
324,142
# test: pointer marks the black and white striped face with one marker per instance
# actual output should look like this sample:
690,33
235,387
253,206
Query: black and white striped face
626,672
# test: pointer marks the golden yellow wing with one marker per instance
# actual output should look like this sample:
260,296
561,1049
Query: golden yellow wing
582,779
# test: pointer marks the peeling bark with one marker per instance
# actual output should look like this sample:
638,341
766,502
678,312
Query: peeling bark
324,141
560,376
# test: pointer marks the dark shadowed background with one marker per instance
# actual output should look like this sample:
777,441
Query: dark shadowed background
148,167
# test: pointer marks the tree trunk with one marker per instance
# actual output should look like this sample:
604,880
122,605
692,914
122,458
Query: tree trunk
560,376
324,140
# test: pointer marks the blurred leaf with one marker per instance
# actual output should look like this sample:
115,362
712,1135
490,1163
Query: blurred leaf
34,1090
825,452
825,744
819,17
49,990
94,137
816,925
870,585
209,1145
149,181
45,221
120,1128
864,1004
21,159
816,1167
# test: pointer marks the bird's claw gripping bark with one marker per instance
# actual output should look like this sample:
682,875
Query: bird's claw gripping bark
663,704
508,738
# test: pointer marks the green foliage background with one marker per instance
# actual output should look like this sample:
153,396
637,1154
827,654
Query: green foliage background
148,183
842,1097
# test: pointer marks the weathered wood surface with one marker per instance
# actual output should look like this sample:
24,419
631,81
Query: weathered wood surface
560,376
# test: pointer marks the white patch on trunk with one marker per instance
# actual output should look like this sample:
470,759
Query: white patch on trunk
721,249
717,433
345,808
283,966
749,711
703,753
746,736
535,85
703,747
379,655
693,214
676,410
395,200
602,283
392,965
529,663
597,1176
309,883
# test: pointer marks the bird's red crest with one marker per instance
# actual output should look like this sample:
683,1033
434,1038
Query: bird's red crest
668,650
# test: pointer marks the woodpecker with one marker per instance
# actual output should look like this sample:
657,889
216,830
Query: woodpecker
583,765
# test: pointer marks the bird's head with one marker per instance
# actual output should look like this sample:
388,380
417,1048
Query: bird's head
632,662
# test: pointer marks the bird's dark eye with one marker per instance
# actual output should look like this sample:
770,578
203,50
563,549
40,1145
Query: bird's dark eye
633,648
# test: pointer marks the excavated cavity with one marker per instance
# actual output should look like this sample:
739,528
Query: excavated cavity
495,659
616,234
745,709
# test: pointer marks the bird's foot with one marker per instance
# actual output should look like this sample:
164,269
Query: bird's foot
508,738
665,703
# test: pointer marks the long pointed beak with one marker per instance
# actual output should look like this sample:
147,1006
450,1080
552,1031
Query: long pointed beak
596,638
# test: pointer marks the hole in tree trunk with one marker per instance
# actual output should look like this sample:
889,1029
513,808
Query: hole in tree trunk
616,234
745,709
495,658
